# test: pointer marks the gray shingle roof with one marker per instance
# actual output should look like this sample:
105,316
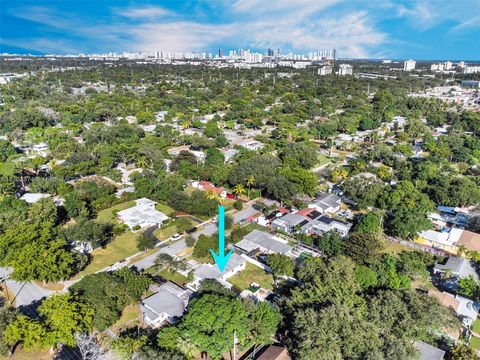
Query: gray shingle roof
459,266
429,352
266,241
170,299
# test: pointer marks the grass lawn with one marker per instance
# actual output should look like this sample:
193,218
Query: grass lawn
475,343
107,214
251,274
165,232
120,248
130,317
395,248
173,276
167,210
476,326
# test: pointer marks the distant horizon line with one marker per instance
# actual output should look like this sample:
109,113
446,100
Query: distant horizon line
5,54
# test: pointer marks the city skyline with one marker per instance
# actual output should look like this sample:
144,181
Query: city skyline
392,29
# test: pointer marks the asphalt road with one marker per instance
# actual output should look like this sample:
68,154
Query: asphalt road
26,293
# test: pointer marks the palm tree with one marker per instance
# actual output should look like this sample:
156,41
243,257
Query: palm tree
214,196
238,190
250,183
461,250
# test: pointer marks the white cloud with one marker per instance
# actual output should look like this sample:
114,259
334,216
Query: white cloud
147,12
301,25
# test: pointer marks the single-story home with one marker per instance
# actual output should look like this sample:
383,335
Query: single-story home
228,154
235,264
166,305
143,214
458,267
450,239
326,203
208,186
465,308
260,241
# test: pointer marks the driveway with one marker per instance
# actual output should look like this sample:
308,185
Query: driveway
243,214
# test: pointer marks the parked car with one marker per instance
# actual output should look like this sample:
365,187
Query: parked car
192,230
175,237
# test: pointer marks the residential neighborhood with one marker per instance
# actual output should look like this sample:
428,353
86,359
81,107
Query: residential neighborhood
298,206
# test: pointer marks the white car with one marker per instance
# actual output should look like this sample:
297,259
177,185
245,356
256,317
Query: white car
175,237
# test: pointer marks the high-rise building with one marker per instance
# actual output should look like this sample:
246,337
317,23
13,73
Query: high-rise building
325,70
220,53
409,65
345,69
448,65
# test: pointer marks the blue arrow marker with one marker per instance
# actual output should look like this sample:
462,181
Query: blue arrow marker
221,259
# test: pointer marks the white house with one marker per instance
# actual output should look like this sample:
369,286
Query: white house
326,203
143,214
236,263
167,305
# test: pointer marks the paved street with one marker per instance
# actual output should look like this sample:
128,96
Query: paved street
26,293
149,261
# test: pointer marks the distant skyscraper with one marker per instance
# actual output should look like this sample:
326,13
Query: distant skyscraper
270,52
409,65
220,53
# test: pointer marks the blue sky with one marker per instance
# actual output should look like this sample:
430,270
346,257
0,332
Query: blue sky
362,29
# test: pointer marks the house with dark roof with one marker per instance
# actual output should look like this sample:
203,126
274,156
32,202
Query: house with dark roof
310,221
167,305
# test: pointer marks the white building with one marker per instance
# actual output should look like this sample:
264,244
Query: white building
345,69
325,70
326,203
167,305
409,65
235,264
471,70
143,214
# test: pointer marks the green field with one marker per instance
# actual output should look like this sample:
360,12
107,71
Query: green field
118,249
251,274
